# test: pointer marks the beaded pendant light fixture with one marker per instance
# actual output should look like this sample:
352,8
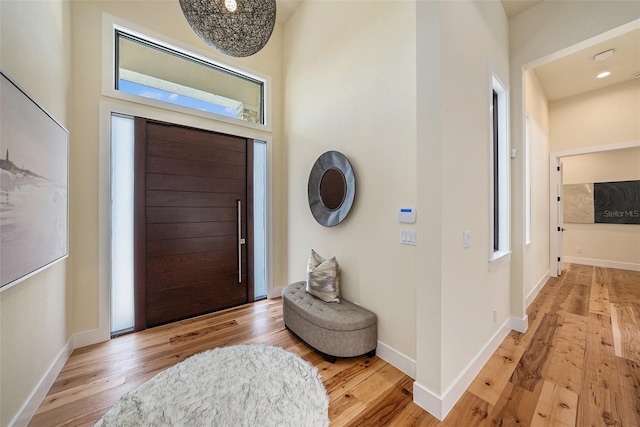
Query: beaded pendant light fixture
234,27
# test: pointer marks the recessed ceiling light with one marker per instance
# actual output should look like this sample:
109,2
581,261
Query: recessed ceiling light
603,74
603,55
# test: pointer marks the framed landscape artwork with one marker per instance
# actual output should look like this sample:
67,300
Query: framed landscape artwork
34,183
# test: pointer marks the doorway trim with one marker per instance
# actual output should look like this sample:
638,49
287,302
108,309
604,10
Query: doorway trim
555,250
107,108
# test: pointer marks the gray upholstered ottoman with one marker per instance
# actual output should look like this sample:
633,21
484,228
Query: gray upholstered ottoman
335,329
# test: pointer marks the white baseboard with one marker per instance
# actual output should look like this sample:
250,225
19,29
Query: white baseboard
536,290
440,405
83,339
427,400
32,404
520,325
396,359
602,263
275,292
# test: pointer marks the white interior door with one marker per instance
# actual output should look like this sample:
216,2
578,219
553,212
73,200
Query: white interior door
559,219
556,224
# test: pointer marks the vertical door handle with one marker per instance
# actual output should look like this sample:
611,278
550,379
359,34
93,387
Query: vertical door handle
241,241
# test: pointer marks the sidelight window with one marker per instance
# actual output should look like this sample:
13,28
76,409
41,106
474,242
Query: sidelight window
121,230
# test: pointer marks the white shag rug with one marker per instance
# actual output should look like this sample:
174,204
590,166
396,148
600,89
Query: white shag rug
242,385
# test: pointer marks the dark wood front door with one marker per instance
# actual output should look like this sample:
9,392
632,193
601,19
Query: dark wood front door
191,214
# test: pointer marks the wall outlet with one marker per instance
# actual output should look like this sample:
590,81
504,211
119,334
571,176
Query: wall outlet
495,315
466,239
578,250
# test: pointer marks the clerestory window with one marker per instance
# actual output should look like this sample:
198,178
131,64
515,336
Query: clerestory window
163,73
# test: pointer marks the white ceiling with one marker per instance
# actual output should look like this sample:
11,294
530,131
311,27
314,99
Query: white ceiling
576,73
284,10
568,76
514,7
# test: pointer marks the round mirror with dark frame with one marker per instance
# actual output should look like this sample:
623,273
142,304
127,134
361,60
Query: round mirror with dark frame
331,189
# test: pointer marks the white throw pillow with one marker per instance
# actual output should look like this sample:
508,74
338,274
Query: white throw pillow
323,277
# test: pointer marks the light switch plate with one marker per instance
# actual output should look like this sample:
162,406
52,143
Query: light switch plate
408,237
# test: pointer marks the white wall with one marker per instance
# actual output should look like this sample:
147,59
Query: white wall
454,140
616,245
35,45
598,118
355,73
350,86
469,290
536,259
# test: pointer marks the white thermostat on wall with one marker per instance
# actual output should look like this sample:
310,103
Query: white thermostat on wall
407,215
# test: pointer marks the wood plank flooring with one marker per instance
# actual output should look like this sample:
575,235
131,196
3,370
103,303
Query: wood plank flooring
577,365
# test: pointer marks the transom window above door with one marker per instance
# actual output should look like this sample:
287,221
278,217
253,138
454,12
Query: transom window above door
160,72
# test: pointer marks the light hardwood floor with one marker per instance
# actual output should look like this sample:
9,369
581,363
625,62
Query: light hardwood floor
577,365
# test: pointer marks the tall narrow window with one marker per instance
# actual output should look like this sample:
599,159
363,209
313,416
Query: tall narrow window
527,178
500,209
496,174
